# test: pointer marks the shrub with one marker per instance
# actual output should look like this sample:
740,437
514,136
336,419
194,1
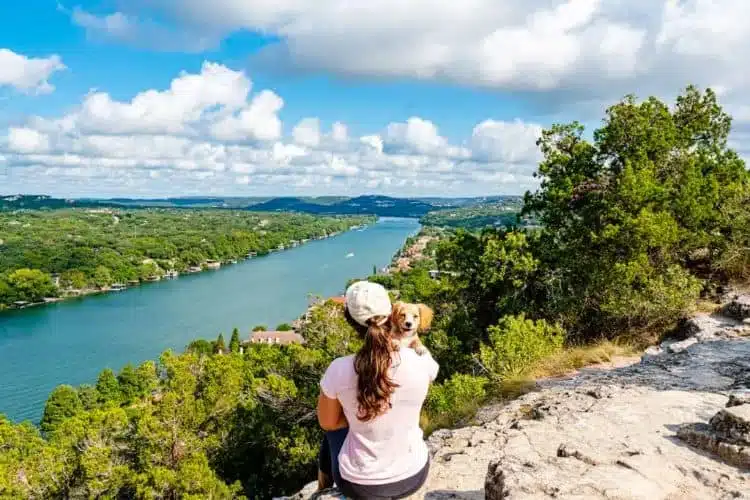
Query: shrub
455,399
516,342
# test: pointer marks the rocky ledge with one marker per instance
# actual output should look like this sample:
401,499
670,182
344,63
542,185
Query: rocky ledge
675,425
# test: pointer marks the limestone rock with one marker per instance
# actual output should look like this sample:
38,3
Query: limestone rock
738,398
682,345
733,424
738,307
703,436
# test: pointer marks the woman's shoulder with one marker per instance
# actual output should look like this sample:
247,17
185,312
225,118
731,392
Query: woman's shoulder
344,363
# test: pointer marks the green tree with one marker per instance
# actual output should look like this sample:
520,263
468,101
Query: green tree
633,216
234,342
108,387
102,277
62,403
31,285
201,346
220,346
260,328
73,278
284,327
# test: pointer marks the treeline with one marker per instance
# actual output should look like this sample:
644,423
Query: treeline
498,213
636,225
95,248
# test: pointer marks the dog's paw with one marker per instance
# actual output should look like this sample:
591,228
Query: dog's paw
421,350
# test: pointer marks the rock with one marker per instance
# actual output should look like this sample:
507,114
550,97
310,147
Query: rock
738,307
651,352
702,436
738,398
733,424
682,345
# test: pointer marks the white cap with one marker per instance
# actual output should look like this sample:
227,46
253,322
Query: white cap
365,300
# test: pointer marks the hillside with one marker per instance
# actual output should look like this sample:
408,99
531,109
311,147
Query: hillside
383,206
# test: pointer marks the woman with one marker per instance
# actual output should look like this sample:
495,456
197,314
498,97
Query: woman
369,405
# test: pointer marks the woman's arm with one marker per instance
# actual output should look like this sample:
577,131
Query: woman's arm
330,414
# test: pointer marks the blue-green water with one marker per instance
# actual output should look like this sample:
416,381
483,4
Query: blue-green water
71,342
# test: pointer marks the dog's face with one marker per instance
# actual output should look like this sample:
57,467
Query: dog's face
408,319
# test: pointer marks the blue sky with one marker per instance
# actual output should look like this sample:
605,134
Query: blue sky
428,98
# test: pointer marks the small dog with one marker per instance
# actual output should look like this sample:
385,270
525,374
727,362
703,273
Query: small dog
407,321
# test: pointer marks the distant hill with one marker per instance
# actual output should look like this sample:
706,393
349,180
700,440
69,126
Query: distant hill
384,206
376,205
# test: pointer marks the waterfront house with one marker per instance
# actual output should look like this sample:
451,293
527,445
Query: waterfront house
171,274
276,338
117,287
213,264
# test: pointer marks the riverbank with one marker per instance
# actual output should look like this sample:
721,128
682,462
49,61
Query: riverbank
208,265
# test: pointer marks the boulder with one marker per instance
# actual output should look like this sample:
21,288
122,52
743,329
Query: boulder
738,398
738,307
733,424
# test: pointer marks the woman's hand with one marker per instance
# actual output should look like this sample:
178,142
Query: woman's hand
330,414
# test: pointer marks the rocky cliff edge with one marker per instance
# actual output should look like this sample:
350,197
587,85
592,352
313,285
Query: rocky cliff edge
675,425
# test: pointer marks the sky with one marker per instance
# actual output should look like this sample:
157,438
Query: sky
148,98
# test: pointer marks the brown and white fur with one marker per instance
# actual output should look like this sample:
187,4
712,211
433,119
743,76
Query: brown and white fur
407,321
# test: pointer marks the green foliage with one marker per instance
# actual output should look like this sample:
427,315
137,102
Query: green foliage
63,403
516,342
201,346
234,342
108,387
456,398
503,213
284,327
628,216
260,328
25,285
94,248
220,346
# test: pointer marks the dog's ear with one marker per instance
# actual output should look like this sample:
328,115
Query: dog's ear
395,311
425,317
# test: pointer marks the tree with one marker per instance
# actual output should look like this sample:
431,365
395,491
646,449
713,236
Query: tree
284,327
260,328
220,346
102,277
108,387
31,285
201,346
632,217
234,342
73,278
62,403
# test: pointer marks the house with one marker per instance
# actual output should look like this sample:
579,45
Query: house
213,264
338,300
280,338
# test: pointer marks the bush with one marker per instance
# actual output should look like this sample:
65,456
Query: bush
455,399
516,342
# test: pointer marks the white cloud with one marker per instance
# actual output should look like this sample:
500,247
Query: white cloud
207,133
307,132
27,140
509,142
28,74
140,32
557,52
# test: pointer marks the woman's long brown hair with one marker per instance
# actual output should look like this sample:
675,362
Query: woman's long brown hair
372,364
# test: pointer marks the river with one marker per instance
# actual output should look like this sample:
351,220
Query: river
71,342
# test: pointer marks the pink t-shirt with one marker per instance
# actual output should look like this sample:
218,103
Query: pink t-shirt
390,447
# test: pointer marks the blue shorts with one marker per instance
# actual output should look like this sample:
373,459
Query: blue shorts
328,462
